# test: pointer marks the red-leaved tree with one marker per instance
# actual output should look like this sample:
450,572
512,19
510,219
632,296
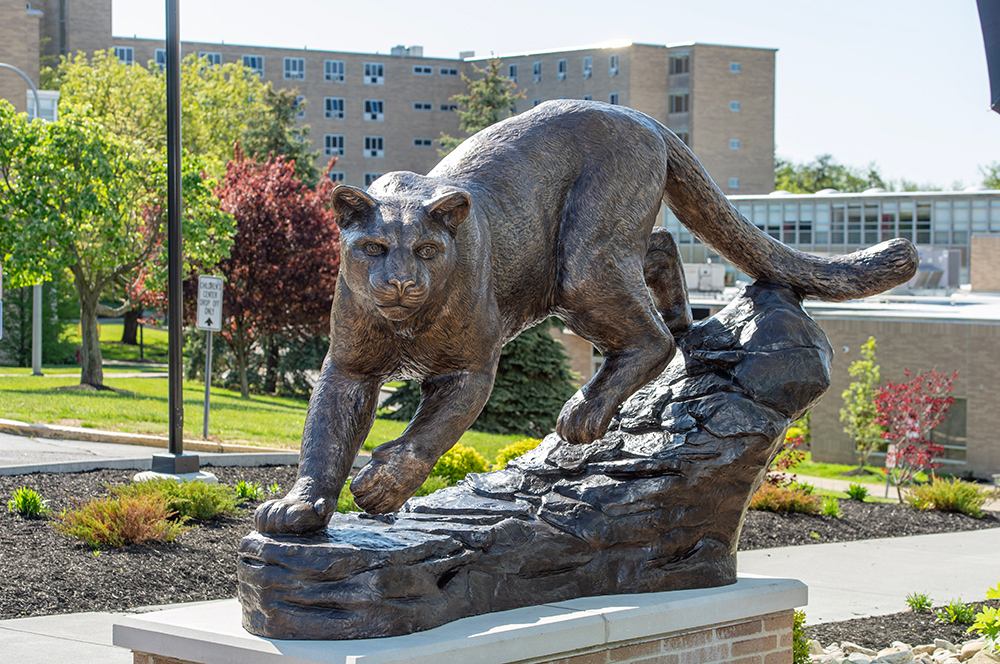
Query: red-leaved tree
909,411
281,273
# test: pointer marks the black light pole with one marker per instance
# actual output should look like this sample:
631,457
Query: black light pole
175,462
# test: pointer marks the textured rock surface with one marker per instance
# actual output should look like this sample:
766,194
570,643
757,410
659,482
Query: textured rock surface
655,505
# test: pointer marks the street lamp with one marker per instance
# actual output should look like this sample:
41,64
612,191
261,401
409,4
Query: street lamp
36,300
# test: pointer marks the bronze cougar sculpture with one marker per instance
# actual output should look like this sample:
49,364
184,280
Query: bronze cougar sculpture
550,212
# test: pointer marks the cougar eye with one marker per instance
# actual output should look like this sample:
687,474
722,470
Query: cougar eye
374,249
427,251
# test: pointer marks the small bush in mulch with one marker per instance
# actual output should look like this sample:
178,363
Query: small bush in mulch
785,499
950,495
28,503
117,521
189,500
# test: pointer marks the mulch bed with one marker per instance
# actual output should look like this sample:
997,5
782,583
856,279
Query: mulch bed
45,573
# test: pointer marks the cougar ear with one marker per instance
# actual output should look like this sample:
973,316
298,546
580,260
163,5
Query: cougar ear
351,204
451,209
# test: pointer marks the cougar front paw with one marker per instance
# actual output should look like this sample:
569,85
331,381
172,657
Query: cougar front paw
291,516
385,484
582,421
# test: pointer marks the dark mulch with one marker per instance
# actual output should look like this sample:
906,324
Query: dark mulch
43,572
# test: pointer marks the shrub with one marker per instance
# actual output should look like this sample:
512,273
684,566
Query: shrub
857,492
458,462
957,611
28,503
515,450
433,483
273,488
831,507
784,499
949,496
190,500
248,491
117,521
988,622
800,642
918,602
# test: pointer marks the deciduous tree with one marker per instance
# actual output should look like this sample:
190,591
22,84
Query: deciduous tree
825,173
859,414
489,100
282,270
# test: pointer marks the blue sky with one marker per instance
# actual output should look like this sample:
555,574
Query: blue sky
899,83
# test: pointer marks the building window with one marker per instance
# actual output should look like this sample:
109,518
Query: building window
449,107
423,142
334,70
336,176
160,57
678,102
295,69
125,54
588,66
300,106
735,67
588,97
333,145
213,58
421,70
613,98
333,108
448,71
734,144
680,64
734,183
734,106
50,105
374,73
423,106
374,110
613,65
254,62
536,102
561,69
536,72
371,177
374,146
512,72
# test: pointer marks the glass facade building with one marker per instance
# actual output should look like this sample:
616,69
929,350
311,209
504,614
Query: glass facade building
829,223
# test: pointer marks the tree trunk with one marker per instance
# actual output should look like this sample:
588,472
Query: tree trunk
272,356
130,328
91,372
241,362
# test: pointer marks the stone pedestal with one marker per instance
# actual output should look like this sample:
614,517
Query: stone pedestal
750,619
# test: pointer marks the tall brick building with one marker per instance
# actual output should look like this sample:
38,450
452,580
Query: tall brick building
383,112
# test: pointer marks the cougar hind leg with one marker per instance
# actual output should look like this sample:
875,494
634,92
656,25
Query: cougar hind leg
664,275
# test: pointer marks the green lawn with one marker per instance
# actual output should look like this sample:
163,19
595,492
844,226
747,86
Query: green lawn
154,342
262,420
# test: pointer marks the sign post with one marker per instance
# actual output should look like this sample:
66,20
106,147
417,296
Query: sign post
210,320
890,465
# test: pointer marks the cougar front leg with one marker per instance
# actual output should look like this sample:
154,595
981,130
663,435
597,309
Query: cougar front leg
448,406
340,415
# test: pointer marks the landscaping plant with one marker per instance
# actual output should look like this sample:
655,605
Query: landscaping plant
909,411
857,492
800,642
248,491
345,501
784,499
831,507
118,521
432,484
514,450
957,611
988,622
28,503
458,462
189,500
859,414
950,495
918,602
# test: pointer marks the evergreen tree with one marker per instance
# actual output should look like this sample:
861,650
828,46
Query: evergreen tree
532,384
490,99
859,414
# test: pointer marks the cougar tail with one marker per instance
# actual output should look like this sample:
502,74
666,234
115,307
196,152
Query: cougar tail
707,213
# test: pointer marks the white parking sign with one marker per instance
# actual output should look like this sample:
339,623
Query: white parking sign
210,303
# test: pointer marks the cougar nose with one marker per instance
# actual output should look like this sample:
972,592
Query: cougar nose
402,286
